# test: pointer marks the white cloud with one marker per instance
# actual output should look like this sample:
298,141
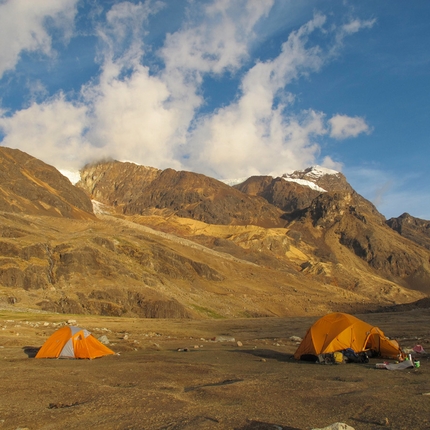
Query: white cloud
220,41
343,126
122,34
37,90
356,25
151,117
52,131
329,163
130,118
254,135
146,117
352,27
22,27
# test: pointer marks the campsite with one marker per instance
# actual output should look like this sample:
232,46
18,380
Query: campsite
206,374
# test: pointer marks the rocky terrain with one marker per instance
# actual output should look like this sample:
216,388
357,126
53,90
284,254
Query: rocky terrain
179,374
135,241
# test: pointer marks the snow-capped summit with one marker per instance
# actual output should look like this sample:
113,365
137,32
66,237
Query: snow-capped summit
233,182
311,173
310,177
318,178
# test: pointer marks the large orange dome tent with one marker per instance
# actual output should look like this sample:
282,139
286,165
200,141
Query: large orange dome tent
340,331
73,342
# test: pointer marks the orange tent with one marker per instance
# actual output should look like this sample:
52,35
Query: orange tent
73,342
339,331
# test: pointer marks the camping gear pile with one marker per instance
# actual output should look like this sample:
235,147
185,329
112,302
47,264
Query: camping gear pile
340,337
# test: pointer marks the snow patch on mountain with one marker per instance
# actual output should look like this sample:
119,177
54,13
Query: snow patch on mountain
311,173
306,177
100,208
306,183
309,176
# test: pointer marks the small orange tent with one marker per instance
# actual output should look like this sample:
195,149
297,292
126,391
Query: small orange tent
339,331
72,342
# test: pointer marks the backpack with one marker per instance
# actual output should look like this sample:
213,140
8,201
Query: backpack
354,357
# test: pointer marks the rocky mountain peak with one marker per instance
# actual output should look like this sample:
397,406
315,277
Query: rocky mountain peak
312,172
138,190
324,179
331,207
295,191
105,179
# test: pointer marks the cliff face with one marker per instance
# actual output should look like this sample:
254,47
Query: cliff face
338,221
348,220
286,195
181,245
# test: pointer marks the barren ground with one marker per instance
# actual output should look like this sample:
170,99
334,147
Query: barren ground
149,384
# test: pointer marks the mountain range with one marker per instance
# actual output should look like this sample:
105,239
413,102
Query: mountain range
131,240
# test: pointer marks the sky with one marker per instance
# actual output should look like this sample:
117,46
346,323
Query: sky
227,88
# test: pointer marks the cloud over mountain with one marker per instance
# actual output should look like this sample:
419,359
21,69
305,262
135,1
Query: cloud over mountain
148,108
228,89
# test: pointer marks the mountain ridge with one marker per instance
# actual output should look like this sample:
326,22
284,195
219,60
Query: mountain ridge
182,245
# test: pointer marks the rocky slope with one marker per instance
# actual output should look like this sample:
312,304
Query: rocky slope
415,229
322,207
28,185
343,224
334,228
181,245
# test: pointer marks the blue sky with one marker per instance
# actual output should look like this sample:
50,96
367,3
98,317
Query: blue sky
228,88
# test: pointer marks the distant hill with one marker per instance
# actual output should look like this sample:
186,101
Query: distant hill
415,229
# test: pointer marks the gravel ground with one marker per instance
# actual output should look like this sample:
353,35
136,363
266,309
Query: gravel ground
172,374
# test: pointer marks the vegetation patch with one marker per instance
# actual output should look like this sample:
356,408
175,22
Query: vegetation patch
208,312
